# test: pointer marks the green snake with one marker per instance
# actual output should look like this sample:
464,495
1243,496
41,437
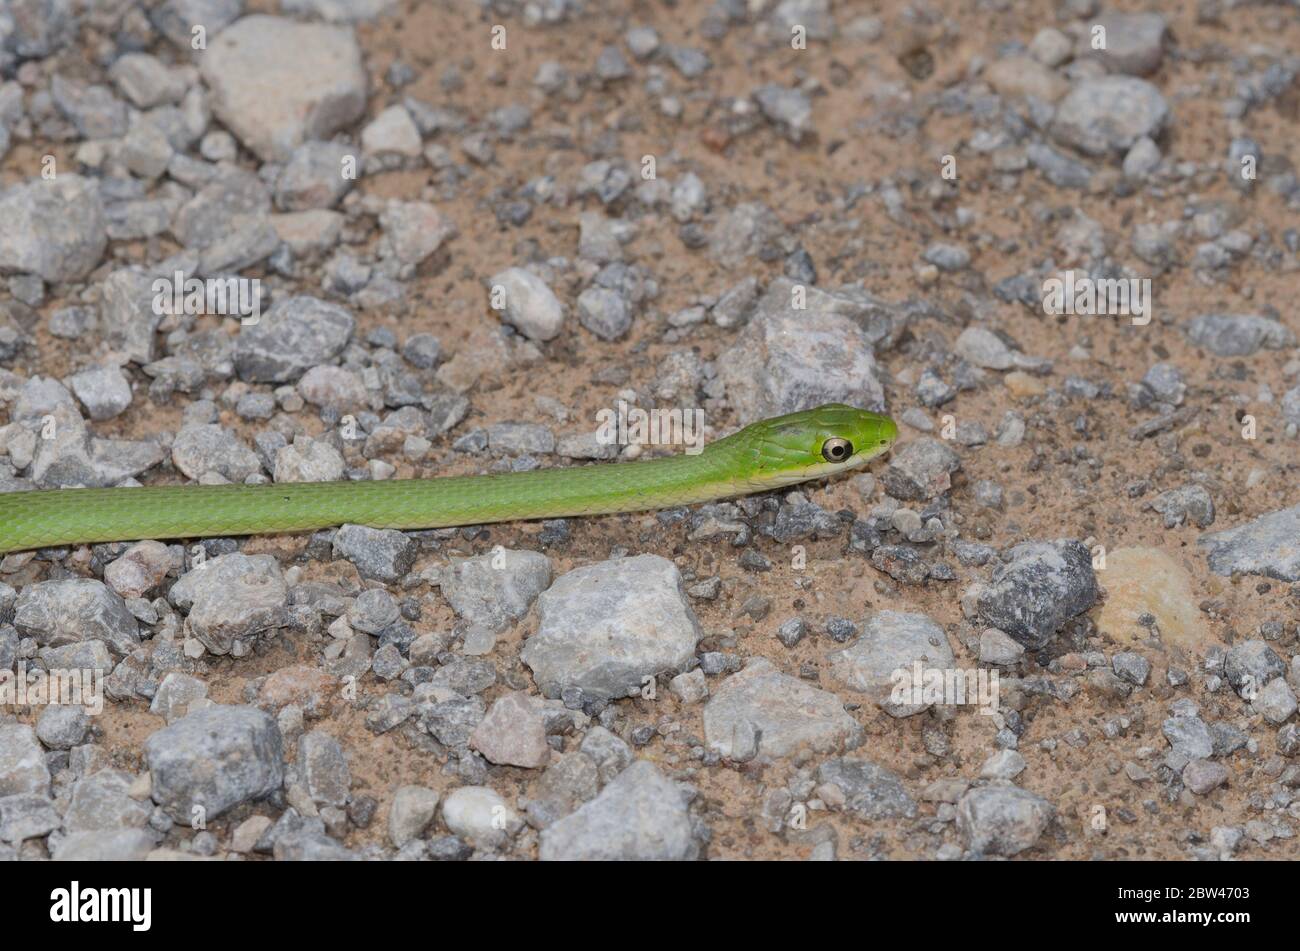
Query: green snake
765,455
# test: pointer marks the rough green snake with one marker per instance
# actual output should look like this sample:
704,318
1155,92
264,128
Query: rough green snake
766,455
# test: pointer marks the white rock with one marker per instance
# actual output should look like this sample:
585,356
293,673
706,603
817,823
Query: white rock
277,82
480,816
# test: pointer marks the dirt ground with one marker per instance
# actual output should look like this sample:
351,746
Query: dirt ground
881,116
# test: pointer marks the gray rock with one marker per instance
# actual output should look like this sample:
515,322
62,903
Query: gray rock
273,102
640,816
23,770
147,81
1142,159
74,457
1042,586
135,220
1166,381
36,28
465,676
233,199
200,449
308,460
1268,546
414,231
1185,503
496,589
998,647
107,845
604,312
608,751
422,350
1106,116
176,692
232,597
383,554
983,348
101,802
947,257
513,733
603,628
71,323
1134,42
689,196
1061,170
61,727
250,242
56,613
1203,776
313,177
339,11
390,138
892,641
787,360
53,228
813,15
600,238
1237,335
520,438
1002,820
324,769
790,109
175,19
334,388
310,845
1131,667
452,722
743,232
567,783
1291,406
292,337
103,391
1249,665
762,714
690,62
93,110
586,445
643,41
26,816
611,65
215,759
373,611
87,655
1003,765
690,687
1188,736
127,314
1276,701
920,469
527,304
870,791
411,813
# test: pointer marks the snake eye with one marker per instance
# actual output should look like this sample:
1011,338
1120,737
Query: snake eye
836,450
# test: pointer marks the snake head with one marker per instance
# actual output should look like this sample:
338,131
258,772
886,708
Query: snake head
849,437
816,442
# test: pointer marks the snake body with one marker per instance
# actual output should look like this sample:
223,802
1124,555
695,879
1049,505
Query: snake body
766,455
